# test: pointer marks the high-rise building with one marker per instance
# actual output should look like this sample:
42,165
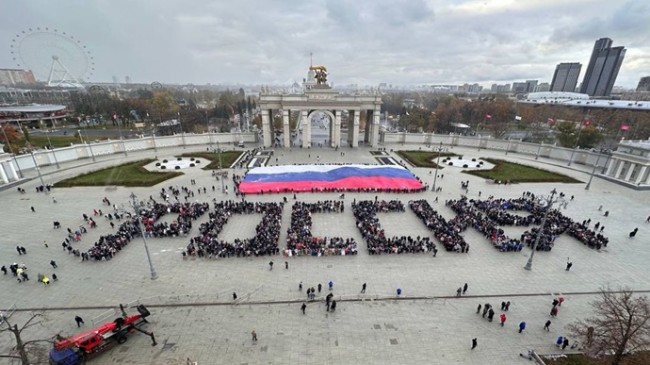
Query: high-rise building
565,77
531,85
543,87
603,68
644,84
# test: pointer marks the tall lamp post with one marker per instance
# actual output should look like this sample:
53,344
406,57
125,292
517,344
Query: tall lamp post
49,147
119,129
549,206
182,132
137,207
435,177
223,187
92,154
38,170
594,170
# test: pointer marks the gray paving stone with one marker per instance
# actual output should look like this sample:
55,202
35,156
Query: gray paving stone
432,331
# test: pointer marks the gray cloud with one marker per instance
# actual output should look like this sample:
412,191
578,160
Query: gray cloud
362,41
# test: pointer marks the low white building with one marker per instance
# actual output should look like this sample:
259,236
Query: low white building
630,164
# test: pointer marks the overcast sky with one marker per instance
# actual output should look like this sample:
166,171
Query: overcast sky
403,42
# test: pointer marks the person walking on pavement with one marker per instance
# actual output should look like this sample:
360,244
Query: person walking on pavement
53,263
490,314
503,318
507,306
303,307
79,321
300,286
568,264
554,311
458,291
333,306
478,309
234,296
331,285
486,308
547,325
464,288
270,265
522,327
363,288
286,265
319,287
254,336
474,343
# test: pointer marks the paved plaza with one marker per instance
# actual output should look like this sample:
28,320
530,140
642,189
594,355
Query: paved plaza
194,315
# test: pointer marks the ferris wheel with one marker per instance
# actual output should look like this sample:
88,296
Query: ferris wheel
53,55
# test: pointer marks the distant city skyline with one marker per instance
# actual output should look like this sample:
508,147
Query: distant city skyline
407,42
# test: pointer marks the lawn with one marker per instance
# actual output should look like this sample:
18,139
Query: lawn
128,174
517,173
227,158
423,158
57,141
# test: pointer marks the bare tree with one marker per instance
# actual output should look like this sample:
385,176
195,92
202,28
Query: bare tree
621,325
22,348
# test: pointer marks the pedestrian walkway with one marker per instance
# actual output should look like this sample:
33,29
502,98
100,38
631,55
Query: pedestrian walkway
437,328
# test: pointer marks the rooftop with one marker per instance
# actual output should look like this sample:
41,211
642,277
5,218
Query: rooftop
33,108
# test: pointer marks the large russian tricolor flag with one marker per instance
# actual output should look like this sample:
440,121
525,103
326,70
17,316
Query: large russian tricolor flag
347,177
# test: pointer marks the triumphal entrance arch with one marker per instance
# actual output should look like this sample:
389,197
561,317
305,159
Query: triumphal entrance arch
316,97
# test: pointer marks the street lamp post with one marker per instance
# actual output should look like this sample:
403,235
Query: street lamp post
49,147
182,132
539,149
576,146
207,125
119,129
20,171
549,205
593,171
38,170
137,206
435,177
223,187
92,154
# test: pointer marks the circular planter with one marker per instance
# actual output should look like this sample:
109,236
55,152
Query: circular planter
179,159
158,164
451,164
197,161
192,165
473,160
163,167
192,158
478,166
177,167
165,161
465,166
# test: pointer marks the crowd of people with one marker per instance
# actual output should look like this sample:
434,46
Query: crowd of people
368,224
265,241
486,216
300,240
181,226
447,232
